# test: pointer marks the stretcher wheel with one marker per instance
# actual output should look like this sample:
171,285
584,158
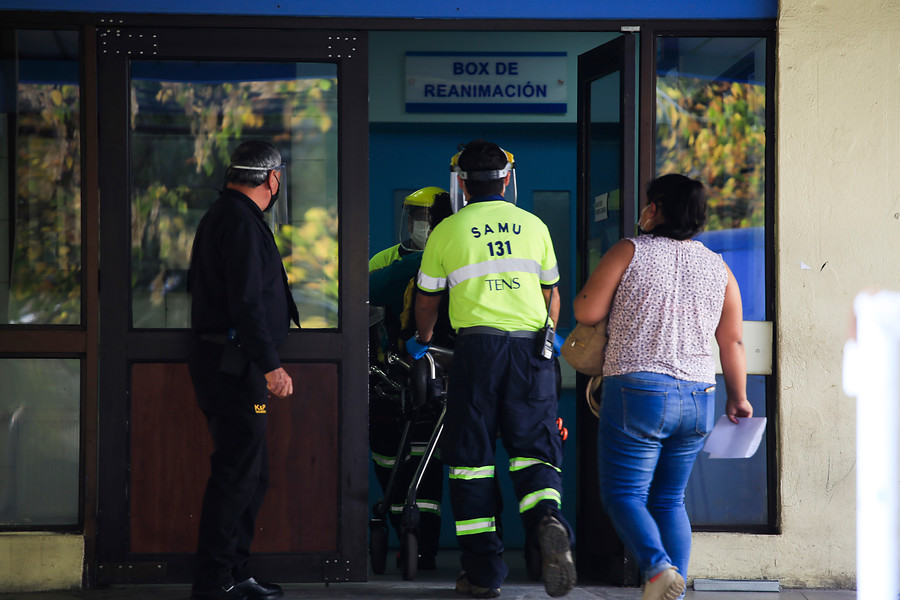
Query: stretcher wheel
378,542
410,554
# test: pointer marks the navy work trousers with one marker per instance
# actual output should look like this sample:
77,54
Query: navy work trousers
498,384
386,422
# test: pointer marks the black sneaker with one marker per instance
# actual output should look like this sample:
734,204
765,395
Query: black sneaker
465,587
558,569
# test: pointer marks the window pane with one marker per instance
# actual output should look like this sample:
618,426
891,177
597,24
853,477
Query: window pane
725,492
187,117
39,442
40,179
603,209
711,125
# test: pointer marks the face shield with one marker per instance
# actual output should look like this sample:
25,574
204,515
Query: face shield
414,227
457,196
415,223
276,214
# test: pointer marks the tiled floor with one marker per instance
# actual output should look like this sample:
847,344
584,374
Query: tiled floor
425,589
427,585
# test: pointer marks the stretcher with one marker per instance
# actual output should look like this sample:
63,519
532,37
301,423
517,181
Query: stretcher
421,387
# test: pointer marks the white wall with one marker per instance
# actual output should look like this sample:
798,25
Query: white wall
838,213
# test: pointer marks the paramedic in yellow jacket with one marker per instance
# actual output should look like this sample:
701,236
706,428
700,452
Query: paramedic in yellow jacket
414,233
498,263
390,273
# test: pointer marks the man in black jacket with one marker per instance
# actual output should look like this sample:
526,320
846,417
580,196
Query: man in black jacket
241,311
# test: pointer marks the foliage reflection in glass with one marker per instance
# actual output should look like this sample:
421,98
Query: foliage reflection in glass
711,123
43,282
186,120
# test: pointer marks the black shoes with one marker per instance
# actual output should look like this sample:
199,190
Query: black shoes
259,590
558,568
220,593
249,589
467,588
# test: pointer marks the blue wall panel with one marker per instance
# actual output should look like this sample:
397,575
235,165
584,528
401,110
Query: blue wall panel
461,9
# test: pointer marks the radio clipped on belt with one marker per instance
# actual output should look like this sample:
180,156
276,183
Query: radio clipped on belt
548,335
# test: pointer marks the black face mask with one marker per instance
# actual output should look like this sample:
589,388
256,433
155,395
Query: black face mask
273,198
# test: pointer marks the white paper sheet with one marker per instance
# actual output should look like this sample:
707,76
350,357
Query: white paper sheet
728,440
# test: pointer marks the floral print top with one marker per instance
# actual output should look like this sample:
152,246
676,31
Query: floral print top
666,310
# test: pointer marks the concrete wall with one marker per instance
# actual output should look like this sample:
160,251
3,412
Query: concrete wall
837,231
32,562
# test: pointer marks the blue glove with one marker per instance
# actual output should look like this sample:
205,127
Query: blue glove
557,344
416,349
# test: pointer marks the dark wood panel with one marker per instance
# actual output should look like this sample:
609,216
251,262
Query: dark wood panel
169,462
300,513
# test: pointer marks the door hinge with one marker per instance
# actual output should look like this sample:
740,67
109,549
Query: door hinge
113,39
133,572
336,570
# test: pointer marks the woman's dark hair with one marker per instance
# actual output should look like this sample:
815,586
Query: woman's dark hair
479,155
682,201
440,210
254,153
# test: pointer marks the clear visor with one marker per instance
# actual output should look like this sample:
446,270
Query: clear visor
458,198
276,215
414,227
510,195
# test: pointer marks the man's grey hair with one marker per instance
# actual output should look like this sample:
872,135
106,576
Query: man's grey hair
254,153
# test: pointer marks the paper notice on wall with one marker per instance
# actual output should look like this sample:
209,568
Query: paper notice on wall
728,440
601,207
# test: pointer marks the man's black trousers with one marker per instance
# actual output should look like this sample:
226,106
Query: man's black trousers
239,466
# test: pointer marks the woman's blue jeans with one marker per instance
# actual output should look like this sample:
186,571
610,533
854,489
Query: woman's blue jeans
652,427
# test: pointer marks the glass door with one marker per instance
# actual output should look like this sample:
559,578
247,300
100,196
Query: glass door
178,103
705,112
607,92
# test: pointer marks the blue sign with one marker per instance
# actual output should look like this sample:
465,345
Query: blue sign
486,82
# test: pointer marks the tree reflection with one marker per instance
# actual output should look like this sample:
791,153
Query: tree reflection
716,131
45,271
182,135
